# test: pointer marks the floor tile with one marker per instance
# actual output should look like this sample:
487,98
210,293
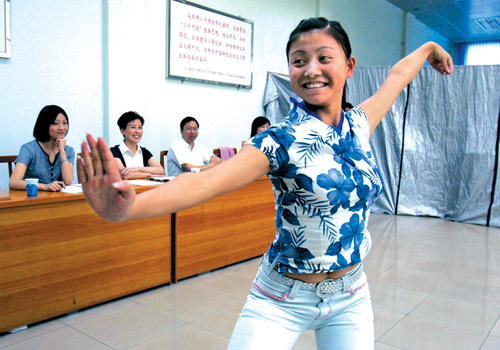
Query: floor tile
491,343
382,346
470,233
204,276
495,242
234,285
387,253
187,337
488,257
485,275
415,333
249,267
384,320
459,314
222,321
421,230
32,331
473,291
91,312
395,298
188,303
153,292
128,326
306,341
61,339
496,329
424,278
454,252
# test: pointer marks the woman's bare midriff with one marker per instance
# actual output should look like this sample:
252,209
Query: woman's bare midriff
318,277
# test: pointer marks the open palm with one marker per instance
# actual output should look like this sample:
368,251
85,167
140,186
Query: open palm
109,196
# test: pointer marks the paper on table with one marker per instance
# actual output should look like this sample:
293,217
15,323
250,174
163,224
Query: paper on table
143,183
76,188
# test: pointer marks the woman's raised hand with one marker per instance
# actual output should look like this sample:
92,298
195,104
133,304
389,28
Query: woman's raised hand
109,196
60,143
441,61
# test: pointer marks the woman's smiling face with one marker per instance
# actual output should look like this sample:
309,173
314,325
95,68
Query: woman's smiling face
318,70
133,132
59,128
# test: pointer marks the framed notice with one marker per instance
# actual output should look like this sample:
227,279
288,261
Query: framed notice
208,46
5,29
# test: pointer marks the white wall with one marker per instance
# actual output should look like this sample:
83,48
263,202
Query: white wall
418,33
100,59
56,59
137,46
374,28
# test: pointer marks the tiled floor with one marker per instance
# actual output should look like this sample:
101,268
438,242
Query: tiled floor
435,285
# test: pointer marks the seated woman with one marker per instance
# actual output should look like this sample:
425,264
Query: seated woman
46,158
259,124
134,162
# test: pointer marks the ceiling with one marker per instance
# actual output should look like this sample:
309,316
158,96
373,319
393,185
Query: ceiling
457,20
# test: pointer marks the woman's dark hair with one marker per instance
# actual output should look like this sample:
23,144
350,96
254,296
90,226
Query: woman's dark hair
257,123
333,28
45,119
127,117
187,120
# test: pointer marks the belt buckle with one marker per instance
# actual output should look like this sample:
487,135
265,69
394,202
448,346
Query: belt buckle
320,286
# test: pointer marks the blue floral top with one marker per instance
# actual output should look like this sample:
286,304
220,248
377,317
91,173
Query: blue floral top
325,179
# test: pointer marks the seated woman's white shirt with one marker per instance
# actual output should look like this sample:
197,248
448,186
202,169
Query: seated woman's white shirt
132,160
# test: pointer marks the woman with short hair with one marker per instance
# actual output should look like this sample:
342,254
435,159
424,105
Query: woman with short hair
46,158
134,162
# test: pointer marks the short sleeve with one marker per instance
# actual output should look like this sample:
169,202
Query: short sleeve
274,143
180,151
115,151
25,155
207,155
146,155
359,121
70,154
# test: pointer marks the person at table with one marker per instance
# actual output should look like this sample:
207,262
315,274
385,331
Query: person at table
259,124
46,158
187,154
134,161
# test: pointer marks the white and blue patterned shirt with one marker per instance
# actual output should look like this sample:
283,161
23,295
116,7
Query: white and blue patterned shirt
325,179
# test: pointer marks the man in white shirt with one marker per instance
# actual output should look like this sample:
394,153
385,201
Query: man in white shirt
185,154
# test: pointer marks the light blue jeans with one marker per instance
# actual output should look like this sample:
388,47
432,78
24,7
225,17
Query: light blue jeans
275,315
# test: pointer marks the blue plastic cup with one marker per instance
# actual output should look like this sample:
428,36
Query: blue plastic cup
31,187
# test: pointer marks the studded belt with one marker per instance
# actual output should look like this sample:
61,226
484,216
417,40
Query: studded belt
324,288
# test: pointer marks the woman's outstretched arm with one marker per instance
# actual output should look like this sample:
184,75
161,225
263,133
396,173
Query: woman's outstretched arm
377,106
116,200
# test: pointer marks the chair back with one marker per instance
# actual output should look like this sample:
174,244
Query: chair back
217,151
9,160
78,175
163,154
